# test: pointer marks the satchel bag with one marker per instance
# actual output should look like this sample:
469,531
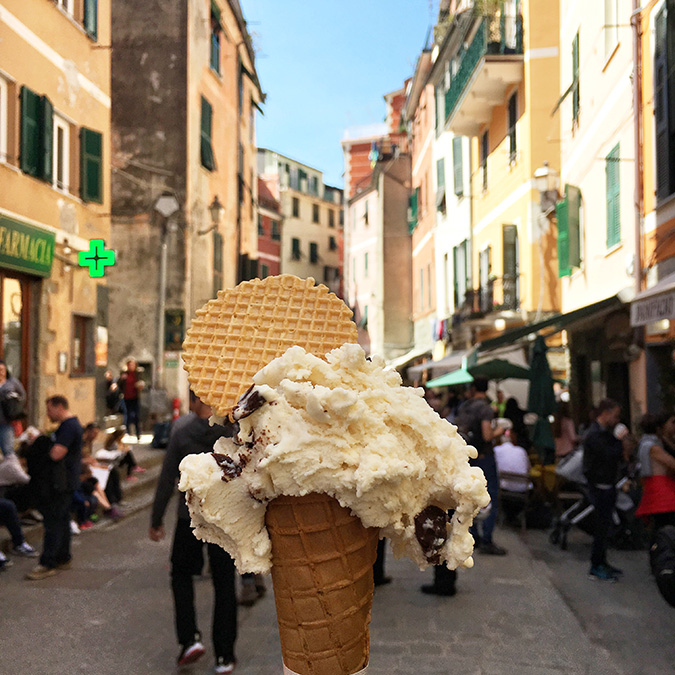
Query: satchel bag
12,405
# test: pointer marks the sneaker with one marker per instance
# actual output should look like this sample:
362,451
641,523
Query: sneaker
114,512
491,549
74,527
614,570
139,469
86,525
191,653
65,565
33,514
25,550
382,581
432,589
603,573
4,563
223,667
40,572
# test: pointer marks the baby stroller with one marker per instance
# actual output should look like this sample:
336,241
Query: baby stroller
580,513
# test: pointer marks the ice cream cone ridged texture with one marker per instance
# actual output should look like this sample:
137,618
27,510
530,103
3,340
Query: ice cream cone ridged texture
344,427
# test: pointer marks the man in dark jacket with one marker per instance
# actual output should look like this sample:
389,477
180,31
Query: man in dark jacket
602,454
192,434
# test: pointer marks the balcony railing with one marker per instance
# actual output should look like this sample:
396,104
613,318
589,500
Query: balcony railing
496,295
496,35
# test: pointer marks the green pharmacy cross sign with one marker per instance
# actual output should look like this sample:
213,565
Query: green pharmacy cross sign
96,258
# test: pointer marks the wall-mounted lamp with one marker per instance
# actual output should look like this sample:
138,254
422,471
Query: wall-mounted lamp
216,210
547,182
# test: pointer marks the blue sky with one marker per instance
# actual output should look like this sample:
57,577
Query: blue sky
325,65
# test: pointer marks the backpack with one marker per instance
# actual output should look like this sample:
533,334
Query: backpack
662,559
12,405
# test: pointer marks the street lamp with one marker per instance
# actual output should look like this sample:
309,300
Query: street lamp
166,205
547,182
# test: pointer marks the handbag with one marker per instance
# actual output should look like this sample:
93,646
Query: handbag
12,405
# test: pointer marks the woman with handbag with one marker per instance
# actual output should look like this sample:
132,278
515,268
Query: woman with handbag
12,399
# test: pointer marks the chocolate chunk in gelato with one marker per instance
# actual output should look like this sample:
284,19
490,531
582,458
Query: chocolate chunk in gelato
431,531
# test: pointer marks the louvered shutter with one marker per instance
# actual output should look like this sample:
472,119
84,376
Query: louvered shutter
561,211
30,132
46,167
91,165
457,165
573,197
613,195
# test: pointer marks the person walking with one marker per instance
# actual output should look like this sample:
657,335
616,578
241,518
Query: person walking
64,459
192,433
12,393
474,423
9,517
603,451
131,385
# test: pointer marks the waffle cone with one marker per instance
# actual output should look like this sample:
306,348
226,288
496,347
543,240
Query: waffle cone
244,328
322,572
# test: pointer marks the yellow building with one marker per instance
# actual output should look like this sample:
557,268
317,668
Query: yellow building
54,196
503,85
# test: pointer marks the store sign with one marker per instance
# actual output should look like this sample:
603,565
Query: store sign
650,310
26,248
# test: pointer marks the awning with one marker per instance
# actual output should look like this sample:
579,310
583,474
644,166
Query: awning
402,360
559,321
655,303
444,365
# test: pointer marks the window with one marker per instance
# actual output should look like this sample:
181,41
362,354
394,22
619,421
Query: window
511,260
457,165
4,119
485,271
37,129
91,166
302,180
66,5
90,20
295,249
314,185
664,101
331,218
612,163
315,213
332,244
206,147
264,271
365,265
276,234
440,175
217,262
568,215
313,252
216,29
611,25
342,217
412,210
365,212
484,151
296,207
15,323
461,264
82,347
575,80
61,169
261,227
513,117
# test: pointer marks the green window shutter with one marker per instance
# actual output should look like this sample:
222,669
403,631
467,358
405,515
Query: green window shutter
440,174
561,211
46,168
206,147
91,165
573,198
412,210
30,132
575,79
457,165
217,262
90,20
613,190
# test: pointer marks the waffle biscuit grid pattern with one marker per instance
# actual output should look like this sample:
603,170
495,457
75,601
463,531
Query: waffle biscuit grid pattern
233,336
323,583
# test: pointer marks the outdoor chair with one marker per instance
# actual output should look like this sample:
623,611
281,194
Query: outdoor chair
515,496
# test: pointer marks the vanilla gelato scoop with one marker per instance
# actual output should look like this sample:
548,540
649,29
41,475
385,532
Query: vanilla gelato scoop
346,427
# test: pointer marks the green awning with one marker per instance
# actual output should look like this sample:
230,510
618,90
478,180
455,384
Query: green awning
500,369
452,379
556,323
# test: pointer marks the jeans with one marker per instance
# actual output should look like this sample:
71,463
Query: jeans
489,467
6,439
84,505
132,416
187,559
9,517
603,501
56,544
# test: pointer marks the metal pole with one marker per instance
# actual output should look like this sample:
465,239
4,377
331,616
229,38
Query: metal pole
158,380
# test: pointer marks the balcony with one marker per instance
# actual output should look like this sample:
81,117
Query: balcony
492,62
498,295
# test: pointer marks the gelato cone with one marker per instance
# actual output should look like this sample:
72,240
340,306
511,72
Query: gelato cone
322,570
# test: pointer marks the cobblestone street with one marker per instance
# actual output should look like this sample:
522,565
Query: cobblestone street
531,612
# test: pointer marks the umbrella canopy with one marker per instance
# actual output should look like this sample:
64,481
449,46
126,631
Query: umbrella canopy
456,377
499,369
541,399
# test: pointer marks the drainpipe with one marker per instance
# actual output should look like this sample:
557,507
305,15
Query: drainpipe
636,24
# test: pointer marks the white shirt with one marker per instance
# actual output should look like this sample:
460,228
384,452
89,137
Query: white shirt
514,459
